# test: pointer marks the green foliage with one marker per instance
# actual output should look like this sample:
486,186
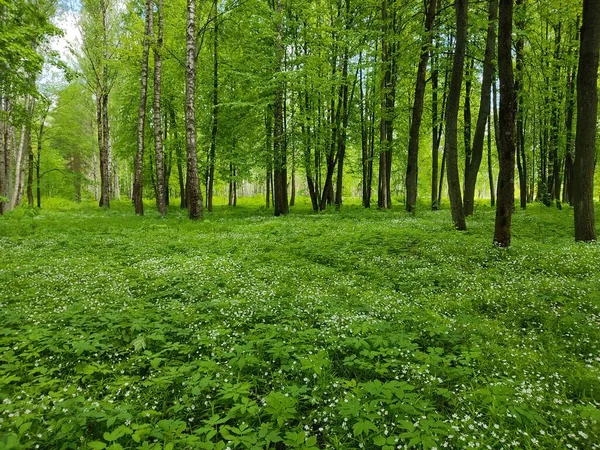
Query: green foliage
360,329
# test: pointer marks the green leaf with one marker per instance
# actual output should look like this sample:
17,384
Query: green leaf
96,445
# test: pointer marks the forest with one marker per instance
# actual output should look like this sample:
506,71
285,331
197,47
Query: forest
299,224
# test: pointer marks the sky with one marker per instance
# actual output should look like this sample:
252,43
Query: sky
67,20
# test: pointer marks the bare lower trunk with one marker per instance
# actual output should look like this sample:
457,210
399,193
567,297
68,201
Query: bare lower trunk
451,147
506,151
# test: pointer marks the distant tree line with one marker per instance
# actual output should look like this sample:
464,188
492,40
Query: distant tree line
396,100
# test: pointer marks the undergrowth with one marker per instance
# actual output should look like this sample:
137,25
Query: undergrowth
345,330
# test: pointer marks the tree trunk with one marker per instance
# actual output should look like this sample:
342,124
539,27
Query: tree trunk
269,153
180,159
554,180
417,112
342,131
139,157
30,167
195,193
3,152
159,149
506,152
38,177
103,136
519,92
388,100
20,157
587,113
279,153
451,147
490,168
474,162
210,167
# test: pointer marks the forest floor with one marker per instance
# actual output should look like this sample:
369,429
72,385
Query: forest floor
346,330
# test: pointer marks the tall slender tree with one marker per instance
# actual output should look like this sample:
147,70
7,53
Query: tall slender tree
474,162
193,183
452,107
138,166
159,149
388,102
210,166
279,151
417,112
507,137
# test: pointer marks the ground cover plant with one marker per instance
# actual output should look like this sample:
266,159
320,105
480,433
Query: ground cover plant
352,329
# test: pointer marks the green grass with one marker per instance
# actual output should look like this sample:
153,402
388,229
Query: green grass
351,329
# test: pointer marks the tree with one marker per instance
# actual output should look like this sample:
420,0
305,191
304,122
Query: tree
451,147
417,113
507,116
193,185
161,188
474,162
139,157
587,113
388,102
99,46
279,151
210,166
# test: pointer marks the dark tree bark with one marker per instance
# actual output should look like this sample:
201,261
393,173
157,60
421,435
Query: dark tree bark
587,113
159,149
102,95
388,101
232,184
519,92
363,138
507,116
417,112
279,153
474,162
210,167
138,166
193,188
365,133
451,147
